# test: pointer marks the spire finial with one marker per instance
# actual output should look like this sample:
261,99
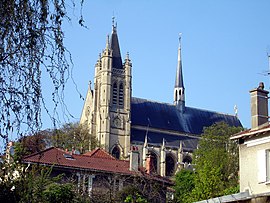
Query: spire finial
114,24
180,36
113,19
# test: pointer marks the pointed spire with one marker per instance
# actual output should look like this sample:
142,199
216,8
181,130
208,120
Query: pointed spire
114,45
145,151
163,143
179,89
179,75
181,146
108,42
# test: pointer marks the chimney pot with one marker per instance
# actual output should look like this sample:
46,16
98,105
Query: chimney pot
259,106
134,160
149,164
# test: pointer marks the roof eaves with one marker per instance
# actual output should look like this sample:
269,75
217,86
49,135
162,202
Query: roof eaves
250,132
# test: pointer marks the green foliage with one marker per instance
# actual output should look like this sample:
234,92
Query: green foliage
59,193
142,190
184,184
74,135
216,162
135,198
130,194
22,183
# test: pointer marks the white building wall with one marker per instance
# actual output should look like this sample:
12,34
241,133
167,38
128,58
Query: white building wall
253,163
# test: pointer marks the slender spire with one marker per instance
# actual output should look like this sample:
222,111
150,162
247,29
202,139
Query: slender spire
179,89
179,75
114,45
163,143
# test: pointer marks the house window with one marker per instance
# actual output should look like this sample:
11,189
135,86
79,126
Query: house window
263,164
267,165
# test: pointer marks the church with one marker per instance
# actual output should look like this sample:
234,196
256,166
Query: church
169,133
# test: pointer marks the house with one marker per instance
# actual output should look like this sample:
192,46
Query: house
101,175
254,148
254,154
169,132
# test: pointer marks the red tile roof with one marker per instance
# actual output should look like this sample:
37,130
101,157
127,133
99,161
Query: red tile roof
98,153
96,160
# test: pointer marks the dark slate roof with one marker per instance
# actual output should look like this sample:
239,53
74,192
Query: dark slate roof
167,117
116,54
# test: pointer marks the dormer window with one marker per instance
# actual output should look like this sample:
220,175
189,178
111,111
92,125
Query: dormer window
69,156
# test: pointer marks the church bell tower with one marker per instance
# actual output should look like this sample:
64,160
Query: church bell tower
107,108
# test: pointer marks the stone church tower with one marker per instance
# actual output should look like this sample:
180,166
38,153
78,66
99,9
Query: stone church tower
107,109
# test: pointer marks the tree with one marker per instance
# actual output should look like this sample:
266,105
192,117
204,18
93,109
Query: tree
31,44
74,136
184,184
216,162
22,183
35,143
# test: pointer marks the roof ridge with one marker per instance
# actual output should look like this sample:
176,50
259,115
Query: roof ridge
202,109
33,154
95,151
212,111
153,101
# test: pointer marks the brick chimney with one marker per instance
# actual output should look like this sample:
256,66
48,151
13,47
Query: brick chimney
149,164
259,106
134,159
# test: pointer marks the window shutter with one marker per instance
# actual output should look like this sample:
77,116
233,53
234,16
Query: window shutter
261,159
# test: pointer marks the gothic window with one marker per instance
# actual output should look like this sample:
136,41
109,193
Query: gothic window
176,96
170,163
114,99
187,159
116,152
121,95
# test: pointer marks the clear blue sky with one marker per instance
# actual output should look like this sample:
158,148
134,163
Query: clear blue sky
224,49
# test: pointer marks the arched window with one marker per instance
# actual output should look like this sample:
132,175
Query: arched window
170,165
187,159
176,95
114,95
121,95
116,152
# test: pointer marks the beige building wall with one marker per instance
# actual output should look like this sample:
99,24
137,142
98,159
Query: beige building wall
254,163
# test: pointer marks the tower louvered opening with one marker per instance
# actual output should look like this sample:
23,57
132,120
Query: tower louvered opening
121,95
114,99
